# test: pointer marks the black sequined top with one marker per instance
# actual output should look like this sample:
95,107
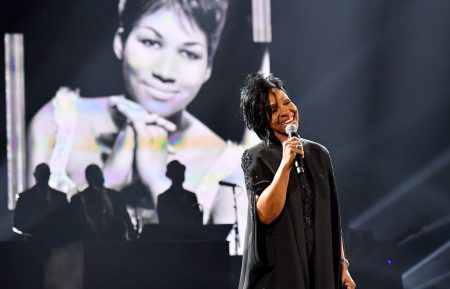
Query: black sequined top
308,212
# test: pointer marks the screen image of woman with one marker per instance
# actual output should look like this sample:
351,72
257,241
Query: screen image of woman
166,49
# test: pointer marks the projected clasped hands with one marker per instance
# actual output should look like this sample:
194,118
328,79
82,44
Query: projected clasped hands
144,140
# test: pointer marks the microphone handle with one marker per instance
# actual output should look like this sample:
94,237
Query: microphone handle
299,167
298,161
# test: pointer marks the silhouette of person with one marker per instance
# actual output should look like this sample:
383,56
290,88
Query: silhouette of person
99,213
177,206
40,210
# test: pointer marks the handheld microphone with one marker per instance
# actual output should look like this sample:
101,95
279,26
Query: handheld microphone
291,131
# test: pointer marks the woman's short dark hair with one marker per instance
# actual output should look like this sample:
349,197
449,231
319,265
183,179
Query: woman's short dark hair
255,106
209,15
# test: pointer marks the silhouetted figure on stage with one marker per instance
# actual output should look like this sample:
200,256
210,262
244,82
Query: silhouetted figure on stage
98,213
177,206
40,210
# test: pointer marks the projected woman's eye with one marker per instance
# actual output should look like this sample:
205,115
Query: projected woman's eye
191,55
151,43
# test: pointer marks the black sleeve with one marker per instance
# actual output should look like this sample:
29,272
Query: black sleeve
257,175
60,219
20,218
336,219
162,209
75,219
197,214
257,178
335,206
123,213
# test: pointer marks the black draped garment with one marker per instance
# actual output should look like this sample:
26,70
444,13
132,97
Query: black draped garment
275,255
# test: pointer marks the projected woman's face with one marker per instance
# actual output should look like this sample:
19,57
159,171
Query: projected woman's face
165,61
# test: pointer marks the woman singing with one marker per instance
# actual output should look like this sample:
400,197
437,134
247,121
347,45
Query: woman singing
293,238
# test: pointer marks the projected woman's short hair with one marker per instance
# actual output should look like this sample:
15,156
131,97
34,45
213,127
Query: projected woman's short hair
208,15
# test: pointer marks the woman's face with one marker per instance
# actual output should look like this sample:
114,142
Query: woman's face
165,61
283,111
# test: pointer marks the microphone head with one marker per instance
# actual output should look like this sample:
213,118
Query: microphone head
291,129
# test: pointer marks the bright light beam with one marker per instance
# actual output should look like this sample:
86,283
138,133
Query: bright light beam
416,179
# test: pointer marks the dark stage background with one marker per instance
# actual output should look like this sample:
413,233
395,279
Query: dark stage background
370,78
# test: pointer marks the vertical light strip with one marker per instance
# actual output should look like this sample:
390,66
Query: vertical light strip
15,115
262,24
262,33
265,63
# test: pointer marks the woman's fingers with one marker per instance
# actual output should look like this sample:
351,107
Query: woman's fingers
125,104
118,166
134,112
170,126
291,148
130,109
296,146
347,280
153,119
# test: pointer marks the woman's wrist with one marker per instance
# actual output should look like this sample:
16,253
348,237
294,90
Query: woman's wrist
345,261
285,166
